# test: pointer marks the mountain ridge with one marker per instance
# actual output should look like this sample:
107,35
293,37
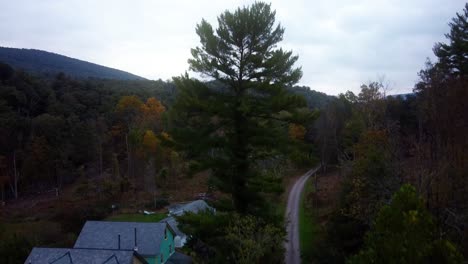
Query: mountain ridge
49,63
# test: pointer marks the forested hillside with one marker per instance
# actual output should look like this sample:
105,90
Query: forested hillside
51,129
49,64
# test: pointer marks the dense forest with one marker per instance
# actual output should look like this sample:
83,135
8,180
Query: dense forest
380,144
95,143
50,64
54,129
90,142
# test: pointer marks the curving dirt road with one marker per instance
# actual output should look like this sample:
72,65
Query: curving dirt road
293,249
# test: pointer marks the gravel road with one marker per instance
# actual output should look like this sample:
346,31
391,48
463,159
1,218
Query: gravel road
293,251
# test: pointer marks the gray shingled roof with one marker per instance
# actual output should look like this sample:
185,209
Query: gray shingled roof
172,222
79,256
105,235
179,258
178,210
194,207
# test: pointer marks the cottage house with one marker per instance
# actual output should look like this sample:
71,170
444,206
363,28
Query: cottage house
153,241
83,256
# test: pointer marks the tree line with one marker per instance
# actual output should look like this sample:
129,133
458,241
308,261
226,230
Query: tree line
380,143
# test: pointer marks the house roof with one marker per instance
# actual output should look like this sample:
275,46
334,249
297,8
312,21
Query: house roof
179,258
144,237
194,207
81,256
179,209
172,222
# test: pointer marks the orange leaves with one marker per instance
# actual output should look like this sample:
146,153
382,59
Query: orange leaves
153,107
150,142
135,113
296,131
151,114
141,122
129,103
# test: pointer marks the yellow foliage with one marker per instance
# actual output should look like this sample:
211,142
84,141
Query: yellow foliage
144,115
150,141
129,103
413,216
153,107
297,131
165,135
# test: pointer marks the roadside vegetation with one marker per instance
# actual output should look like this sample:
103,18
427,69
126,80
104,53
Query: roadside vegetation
308,223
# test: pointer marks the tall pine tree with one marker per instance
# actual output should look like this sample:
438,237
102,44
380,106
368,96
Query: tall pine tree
453,55
241,117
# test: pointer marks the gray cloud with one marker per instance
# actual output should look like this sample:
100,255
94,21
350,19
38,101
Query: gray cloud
341,44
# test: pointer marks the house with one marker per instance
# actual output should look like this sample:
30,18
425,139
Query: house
177,210
179,238
83,256
193,207
153,241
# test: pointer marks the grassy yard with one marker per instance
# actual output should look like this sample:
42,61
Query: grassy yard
309,228
137,217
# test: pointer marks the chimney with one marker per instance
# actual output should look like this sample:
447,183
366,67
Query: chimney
135,238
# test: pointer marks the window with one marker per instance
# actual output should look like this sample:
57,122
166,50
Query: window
162,258
170,248
165,234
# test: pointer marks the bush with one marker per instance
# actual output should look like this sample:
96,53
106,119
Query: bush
160,202
404,232
233,238
14,249
72,216
344,237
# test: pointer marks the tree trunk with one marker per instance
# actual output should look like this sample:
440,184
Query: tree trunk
241,170
128,156
15,175
100,158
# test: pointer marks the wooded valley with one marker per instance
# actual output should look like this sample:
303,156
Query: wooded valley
392,184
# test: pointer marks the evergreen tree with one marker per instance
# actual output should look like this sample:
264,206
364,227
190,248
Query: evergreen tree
404,232
243,115
441,98
453,56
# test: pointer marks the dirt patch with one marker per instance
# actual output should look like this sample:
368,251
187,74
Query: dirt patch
187,188
42,205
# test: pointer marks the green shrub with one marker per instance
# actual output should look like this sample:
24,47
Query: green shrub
404,232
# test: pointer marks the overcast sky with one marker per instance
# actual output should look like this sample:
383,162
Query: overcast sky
341,44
